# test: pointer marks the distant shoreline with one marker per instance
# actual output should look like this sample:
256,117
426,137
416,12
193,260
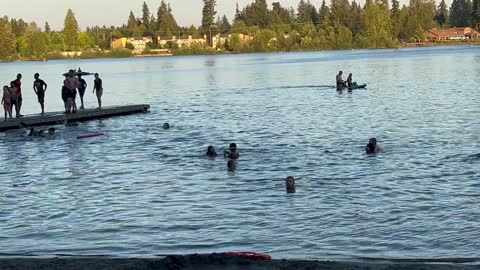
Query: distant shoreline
400,48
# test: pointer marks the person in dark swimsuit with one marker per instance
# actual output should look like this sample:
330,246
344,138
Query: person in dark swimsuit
98,88
40,87
65,95
82,86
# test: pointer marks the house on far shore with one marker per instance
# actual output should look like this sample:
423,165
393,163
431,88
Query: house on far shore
139,44
183,42
460,33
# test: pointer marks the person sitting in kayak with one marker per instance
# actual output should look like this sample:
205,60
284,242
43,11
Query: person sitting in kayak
373,147
340,81
350,83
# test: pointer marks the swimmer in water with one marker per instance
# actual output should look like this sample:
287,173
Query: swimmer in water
166,126
290,184
373,147
232,166
51,132
232,152
211,152
32,133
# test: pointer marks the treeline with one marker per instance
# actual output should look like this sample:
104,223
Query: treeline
340,25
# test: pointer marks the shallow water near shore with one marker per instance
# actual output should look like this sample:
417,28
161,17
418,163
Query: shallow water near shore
142,190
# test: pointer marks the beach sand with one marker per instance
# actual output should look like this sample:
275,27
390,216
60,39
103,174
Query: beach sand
216,262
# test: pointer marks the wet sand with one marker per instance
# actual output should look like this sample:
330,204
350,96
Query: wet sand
217,262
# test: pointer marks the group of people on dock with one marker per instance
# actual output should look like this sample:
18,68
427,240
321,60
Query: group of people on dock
73,82
12,97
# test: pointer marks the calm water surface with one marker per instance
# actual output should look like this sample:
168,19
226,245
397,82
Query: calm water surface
141,190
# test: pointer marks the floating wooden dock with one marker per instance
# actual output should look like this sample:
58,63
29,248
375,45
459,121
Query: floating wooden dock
54,118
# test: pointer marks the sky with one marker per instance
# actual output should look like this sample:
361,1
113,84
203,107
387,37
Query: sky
115,12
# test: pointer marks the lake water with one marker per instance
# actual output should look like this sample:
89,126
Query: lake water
142,190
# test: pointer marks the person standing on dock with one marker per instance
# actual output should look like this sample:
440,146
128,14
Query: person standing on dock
98,87
18,85
72,85
7,102
40,87
82,86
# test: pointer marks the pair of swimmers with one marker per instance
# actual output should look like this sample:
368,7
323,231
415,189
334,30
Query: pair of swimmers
41,133
231,153
371,148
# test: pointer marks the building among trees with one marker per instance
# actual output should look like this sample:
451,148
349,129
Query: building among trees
461,33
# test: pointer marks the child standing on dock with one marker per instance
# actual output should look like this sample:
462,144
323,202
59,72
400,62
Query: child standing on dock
7,102
82,86
40,87
98,87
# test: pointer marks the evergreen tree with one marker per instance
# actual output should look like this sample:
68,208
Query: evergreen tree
70,29
8,41
166,23
132,21
442,14
475,12
146,16
460,13
324,15
208,15
47,28
257,14
224,25
239,15
280,15
356,19
395,17
307,13
340,12
18,27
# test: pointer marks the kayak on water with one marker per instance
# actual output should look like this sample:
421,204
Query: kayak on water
78,72
359,86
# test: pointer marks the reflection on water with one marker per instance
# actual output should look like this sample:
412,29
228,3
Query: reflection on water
145,190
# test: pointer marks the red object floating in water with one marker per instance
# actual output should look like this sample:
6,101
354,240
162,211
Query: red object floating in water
90,136
251,255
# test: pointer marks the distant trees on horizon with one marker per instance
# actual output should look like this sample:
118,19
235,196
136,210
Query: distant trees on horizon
342,24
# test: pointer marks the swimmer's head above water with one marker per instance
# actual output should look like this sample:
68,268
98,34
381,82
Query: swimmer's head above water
211,152
166,126
372,147
290,184
232,152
